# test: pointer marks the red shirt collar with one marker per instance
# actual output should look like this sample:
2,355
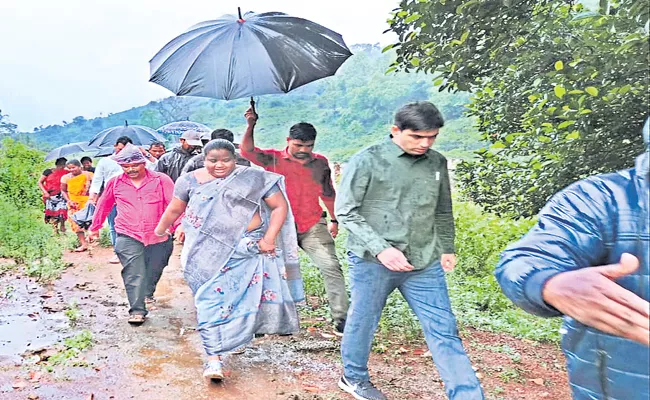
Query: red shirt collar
285,154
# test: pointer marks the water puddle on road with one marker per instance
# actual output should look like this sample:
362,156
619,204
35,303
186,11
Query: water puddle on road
24,324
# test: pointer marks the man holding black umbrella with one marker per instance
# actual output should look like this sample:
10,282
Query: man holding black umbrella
309,180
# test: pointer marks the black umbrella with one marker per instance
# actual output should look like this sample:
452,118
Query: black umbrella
140,135
234,56
71,148
105,151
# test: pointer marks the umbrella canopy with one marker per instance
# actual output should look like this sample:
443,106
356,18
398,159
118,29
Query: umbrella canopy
235,57
105,151
140,135
71,148
180,127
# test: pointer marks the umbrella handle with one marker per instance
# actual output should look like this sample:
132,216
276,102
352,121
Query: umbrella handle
253,105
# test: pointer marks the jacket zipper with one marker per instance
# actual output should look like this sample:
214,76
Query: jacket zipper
639,232
602,372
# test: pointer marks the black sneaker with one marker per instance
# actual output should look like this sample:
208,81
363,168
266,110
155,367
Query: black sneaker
361,390
339,327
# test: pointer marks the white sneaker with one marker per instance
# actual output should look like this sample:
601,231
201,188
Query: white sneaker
361,390
213,370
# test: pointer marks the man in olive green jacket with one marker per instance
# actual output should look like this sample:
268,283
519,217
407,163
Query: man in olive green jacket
395,201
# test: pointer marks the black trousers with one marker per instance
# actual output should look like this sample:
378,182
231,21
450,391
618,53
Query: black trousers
142,267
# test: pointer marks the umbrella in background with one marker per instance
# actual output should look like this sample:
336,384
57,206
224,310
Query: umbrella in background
71,148
234,56
180,127
140,135
105,151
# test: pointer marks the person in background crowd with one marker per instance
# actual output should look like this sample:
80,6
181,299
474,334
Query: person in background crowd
56,210
141,196
588,259
395,201
205,138
245,273
87,164
196,162
74,188
157,149
309,180
172,163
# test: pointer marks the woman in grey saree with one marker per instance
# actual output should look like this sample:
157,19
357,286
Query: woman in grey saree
240,254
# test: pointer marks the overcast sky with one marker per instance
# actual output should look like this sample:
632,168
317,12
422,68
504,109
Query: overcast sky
60,59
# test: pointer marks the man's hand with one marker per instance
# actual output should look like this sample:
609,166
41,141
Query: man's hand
93,236
591,296
180,234
394,260
73,204
46,195
251,116
448,262
267,246
334,229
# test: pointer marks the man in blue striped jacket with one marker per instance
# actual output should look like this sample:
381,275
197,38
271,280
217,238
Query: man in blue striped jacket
587,259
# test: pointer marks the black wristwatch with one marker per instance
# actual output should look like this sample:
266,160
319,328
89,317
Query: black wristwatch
334,221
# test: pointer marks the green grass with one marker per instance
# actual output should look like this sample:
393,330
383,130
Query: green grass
72,348
73,313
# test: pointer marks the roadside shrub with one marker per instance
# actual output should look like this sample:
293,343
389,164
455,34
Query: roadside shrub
24,236
476,296
20,169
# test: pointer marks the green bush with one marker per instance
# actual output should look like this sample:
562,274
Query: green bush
24,236
20,169
475,294
105,238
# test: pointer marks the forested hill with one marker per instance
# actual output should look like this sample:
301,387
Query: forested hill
350,110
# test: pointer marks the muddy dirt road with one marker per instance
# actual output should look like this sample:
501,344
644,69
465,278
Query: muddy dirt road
163,358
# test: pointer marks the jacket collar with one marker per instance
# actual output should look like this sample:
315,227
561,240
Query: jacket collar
394,150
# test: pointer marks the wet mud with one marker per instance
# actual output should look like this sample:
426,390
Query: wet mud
163,359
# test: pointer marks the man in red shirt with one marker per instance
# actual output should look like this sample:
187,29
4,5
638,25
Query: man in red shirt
309,180
141,197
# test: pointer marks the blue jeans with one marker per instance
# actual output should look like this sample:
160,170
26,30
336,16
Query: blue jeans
111,225
426,293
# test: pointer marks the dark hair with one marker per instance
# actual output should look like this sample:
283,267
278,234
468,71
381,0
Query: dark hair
157,144
123,140
86,158
223,134
75,162
219,144
302,131
419,116
61,161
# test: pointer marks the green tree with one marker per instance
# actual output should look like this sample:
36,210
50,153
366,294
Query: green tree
6,127
20,169
559,92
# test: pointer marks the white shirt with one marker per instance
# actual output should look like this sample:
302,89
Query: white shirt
106,169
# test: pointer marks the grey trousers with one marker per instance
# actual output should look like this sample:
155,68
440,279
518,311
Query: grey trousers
319,246
142,267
